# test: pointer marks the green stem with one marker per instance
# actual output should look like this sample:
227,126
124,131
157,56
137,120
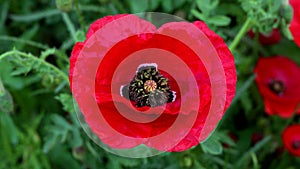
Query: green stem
80,16
241,33
28,42
42,62
70,25
288,122
58,53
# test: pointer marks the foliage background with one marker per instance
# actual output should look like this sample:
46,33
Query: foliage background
38,125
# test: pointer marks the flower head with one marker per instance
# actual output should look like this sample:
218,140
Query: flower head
278,83
291,139
295,23
166,88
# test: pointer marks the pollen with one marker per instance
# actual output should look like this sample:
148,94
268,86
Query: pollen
150,85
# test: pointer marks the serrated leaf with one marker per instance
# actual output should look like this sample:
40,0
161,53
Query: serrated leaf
212,146
67,102
219,20
21,70
47,52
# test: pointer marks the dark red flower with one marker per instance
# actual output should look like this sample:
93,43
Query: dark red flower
295,23
291,139
278,83
150,85
271,39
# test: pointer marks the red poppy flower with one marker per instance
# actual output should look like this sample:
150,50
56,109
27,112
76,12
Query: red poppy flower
295,23
278,83
166,88
271,39
291,139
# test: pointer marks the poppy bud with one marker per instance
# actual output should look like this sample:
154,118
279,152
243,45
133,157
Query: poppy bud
186,161
64,5
79,152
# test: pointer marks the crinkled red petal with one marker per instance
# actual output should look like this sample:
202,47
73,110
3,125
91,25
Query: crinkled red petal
283,69
140,130
290,135
295,23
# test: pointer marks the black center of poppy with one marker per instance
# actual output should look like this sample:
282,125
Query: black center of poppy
277,87
296,144
148,88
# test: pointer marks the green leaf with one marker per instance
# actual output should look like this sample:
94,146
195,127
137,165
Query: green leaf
3,16
246,156
21,70
67,102
2,89
62,158
126,162
153,4
6,102
171,5
286,30
219,20
76,139
225,138
204,6
35,15
50,142
212,146
10,128
70,25
178,3
274,5
167,5
28,35
198,15
137,6
243,88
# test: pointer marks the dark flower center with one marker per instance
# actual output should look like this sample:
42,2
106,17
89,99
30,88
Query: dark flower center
296,144
148,88
277,87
